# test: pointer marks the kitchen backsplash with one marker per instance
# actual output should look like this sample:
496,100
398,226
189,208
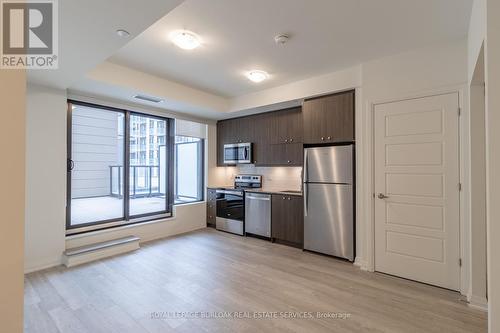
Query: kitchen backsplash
282,178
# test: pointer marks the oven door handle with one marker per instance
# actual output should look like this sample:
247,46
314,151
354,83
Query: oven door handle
229,192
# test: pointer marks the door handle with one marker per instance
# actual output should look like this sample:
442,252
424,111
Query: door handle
70,165
382,196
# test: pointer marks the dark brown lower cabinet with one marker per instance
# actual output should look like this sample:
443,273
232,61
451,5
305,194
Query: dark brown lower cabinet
211,200
287,219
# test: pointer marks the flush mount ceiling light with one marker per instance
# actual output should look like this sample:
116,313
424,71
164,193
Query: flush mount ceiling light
257,76
281,39
122,33
184,39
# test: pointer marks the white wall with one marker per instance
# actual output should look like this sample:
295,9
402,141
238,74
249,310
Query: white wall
186,218
476,58
477,292
492,55
341,80
476,35
484,30
417,71
45,176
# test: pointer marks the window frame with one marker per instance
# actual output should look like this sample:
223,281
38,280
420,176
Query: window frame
126,218
200,171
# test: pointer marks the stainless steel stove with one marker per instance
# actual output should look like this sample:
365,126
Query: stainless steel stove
230,204
247,181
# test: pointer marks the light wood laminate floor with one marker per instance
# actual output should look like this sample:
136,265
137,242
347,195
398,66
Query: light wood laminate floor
156,289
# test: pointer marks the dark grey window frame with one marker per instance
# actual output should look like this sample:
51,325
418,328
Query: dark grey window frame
126,218
200,171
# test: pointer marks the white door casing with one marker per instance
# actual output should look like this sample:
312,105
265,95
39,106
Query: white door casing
416,154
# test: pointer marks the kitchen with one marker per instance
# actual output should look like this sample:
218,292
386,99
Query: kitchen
314,207
254,157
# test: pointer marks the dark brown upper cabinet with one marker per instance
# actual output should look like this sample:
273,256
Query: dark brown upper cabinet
278,154
279,142
329,119
287,126
278,136
236,130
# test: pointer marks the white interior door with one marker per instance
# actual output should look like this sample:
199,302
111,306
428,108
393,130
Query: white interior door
417,228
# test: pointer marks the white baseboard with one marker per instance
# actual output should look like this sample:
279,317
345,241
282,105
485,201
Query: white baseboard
479,303
359,262
39,267
88,253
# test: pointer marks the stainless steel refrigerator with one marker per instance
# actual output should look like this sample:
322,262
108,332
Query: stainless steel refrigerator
329,200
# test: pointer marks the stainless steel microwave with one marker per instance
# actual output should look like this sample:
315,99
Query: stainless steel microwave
238,153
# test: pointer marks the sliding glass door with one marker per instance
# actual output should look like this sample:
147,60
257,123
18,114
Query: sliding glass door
97,146
120,167
148,169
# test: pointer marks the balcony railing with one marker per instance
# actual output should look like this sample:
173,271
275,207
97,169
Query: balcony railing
144,181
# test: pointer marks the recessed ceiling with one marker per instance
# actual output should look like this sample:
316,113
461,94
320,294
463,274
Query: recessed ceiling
325,35
88,34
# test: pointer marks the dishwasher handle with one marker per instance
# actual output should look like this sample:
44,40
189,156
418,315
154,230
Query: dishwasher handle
259,197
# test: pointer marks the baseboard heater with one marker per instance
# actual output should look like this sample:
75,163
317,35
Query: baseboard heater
96,251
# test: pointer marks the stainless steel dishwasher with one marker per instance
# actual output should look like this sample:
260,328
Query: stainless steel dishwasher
258,214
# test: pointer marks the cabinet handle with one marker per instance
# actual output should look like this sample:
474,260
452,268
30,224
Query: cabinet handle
286,140
288,161
283,198
322,138
291,140
289,198
329,138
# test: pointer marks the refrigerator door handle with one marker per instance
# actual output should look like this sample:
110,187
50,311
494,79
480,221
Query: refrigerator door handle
305,166
306,202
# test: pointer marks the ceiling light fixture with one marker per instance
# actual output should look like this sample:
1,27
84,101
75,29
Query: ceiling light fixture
122,33
257,76
281,39
186,40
